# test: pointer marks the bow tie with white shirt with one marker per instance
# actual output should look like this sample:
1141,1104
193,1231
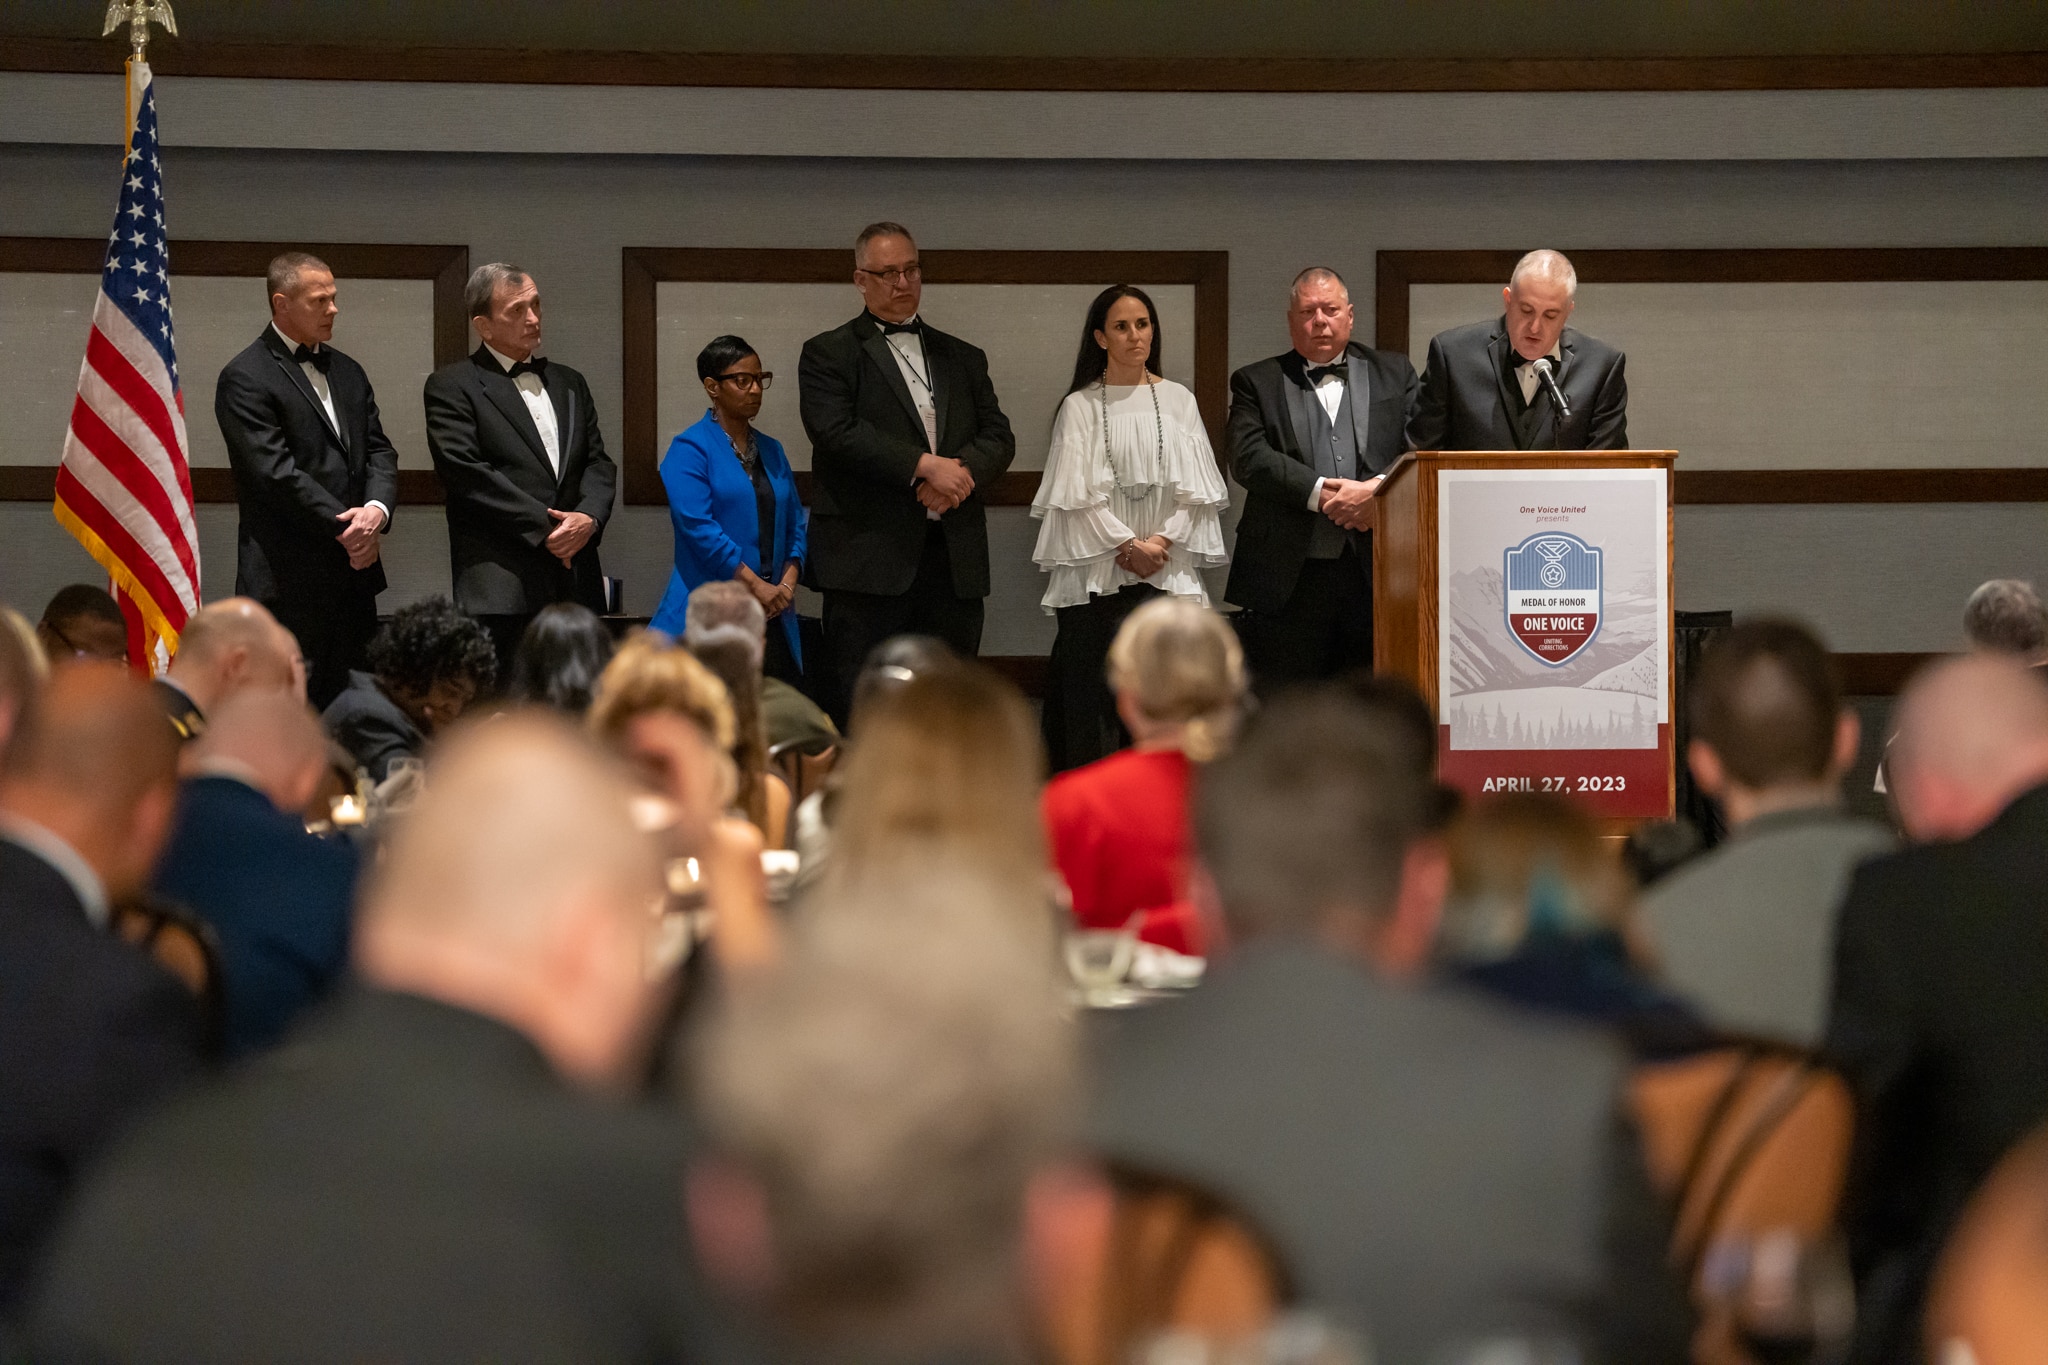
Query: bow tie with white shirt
526,375
314,362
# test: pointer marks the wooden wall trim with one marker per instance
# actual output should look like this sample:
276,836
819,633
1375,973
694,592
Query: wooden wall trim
891,72
643,268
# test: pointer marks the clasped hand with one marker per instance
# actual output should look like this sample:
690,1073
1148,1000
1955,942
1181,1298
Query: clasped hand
1348,502
942,483
359,528
1142,557
572,532
774,598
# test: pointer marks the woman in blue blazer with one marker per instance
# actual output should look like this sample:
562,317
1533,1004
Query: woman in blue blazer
732,501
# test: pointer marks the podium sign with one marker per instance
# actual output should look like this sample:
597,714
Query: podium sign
1553,620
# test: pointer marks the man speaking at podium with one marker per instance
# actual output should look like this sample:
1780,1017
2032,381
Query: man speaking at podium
1526,382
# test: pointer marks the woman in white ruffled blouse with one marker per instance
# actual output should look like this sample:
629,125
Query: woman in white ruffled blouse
1129,502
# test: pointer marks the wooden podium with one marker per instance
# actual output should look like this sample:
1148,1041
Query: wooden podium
1527,596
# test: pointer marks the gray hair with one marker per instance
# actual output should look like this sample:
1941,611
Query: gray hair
1313,275
2005,616
285,268
885,228
723,603
1549,265
483,284
1311,814
893,1087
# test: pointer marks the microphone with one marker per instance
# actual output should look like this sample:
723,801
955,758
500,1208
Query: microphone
1549,378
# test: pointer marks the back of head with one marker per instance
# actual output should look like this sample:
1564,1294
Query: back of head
1766,701
2005,616
1972,735
84,621
22,673
648,674
724,603
1528,863
270,736
234,643
735,660
891,664
1310,815
1181,664
92,751
433,641
891,1089
946,766
564,649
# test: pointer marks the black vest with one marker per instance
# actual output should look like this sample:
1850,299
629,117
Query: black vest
1333,451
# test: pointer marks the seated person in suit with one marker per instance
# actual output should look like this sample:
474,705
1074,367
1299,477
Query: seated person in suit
560,658
1481,389
1748,930
881,1113
1118,827
83,622
1435,1166
226,646
240,858
789,717
427,664
1540,914
732,500
460,1181
92,1032
1941,965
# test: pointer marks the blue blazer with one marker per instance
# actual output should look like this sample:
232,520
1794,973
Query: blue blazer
711,505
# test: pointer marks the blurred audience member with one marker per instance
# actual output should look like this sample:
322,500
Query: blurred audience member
83,622
1118,827
1655,849
427,664
432,1170
1414,730
1941,968
671,720
564,649
226,646
1989,1301
23,674
944,768
91,1031
240,858
881,1112
1748,930
1539,914
889,665
734,658
2005,616
1432,1165
788,717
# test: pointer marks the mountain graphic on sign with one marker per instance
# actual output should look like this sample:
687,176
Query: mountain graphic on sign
1480,656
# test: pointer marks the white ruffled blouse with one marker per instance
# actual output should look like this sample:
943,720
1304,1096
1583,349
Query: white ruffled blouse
1091,501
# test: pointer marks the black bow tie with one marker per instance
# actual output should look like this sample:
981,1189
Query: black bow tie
537,365
319,359
1318,373
1515,361
891,328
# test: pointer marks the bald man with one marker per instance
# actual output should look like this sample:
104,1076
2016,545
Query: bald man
1940,1008
240,858
91,1031
226,646
432,1170
1481,389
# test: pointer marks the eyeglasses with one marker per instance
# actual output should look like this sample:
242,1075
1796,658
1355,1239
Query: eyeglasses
743,380
913,271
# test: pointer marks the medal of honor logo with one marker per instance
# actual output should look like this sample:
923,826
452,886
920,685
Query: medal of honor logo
1551,595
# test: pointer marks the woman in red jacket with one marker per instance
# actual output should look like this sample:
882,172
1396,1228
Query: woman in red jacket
1119,826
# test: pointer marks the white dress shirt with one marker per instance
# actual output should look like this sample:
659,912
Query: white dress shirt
1525,372
325,394
540,405
51,848
1329,391
908,348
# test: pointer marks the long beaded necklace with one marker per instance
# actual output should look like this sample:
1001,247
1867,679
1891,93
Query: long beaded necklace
749,457
1158,428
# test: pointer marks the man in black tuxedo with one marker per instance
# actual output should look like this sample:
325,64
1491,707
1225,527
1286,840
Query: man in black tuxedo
437,1167
1480,387
91,1031
515,440
314,475
905,433
1941,967
1311,433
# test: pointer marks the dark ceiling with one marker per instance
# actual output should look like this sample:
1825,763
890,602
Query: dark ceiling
1106,28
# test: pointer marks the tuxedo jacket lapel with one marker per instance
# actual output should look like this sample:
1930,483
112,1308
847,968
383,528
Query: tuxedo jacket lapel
1359,377
1294,392
297,375
504,393
941,376
563,396
884,356
1496,355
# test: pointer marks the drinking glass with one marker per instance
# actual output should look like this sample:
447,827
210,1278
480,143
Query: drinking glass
1787,1300
1099,960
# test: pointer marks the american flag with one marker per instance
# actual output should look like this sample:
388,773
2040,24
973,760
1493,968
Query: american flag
123,486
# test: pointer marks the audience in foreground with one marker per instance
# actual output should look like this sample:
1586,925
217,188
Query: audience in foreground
881,1112
1437,1168
1941,968
227,646
564,649
2005,616
1748,930
239,857
788,717
1118,827
432,1171
91,1031
83,622
427,664
733,656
